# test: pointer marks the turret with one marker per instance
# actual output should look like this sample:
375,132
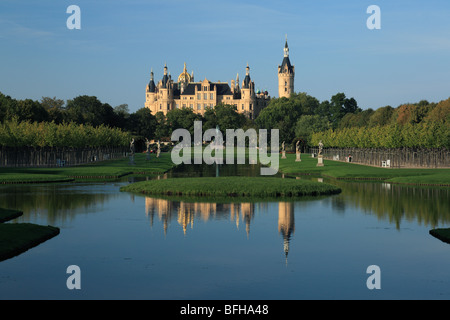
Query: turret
286,74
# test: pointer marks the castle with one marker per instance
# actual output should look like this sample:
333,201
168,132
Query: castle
167,95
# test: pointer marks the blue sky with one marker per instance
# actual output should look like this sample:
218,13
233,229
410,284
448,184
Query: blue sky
333,51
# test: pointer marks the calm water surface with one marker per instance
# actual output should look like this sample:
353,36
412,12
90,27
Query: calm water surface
137,247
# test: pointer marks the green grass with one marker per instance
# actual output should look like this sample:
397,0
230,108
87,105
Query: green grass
104,170
8,214
17,238
232,187
351,171
441,234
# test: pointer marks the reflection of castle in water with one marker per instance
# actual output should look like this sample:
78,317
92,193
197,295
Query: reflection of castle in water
286,224
186,212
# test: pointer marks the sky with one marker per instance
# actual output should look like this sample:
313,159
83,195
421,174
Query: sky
333,50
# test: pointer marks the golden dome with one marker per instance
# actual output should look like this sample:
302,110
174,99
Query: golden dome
184,76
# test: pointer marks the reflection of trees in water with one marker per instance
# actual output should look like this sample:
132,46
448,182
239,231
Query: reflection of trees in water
427,206
57,202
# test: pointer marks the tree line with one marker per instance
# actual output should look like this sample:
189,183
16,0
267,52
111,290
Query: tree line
339,122
418,125
14,133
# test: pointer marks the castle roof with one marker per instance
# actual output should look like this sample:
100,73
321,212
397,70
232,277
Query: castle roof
151,86
286,64
222,88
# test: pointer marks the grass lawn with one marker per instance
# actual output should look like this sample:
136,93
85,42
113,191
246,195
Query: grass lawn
8,214
232,187
103,170
16,238
442,234
351,171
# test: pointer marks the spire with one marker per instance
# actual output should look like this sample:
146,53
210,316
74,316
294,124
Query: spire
165,78
286,49
151,84
247,80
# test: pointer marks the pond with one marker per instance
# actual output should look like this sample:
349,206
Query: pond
135,247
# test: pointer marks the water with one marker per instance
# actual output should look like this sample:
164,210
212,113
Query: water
136,247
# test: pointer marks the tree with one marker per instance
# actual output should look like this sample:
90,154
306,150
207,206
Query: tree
381,116
182,118
227,117
50,103
31,110
142,123
162,129
90,110
280,114
121,115
308,124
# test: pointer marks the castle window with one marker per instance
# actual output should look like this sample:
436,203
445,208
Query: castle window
199,96
242,106
191,106
251,106
285,83
184,105
199,106
205,96
211,96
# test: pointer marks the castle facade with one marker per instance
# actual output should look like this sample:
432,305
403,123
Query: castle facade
167,94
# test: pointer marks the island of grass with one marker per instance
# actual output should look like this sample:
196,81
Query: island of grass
8,214
95,171
16,238
351,171
442,234
260,187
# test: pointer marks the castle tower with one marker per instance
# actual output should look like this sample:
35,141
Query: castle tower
286,73
150,97
184,79
165,92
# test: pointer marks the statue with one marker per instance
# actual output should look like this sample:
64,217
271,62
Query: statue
320,156
283,152
132,147
159,150
297,151
147,143
320,147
